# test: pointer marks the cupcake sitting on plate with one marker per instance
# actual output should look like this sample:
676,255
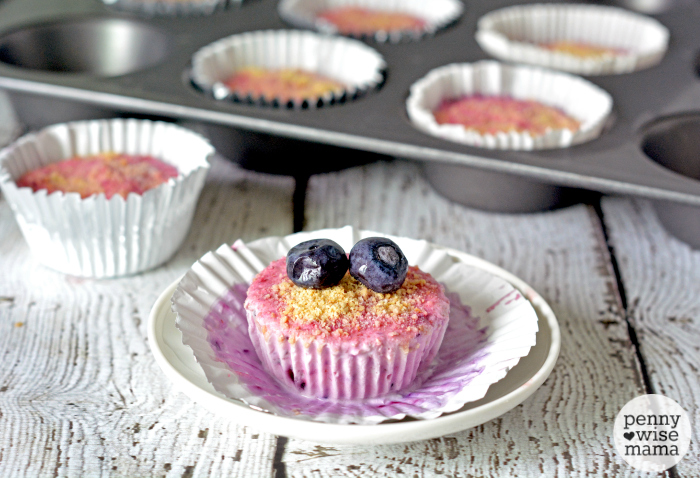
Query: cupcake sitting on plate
287,68
335,333
105,198
294,326
382,20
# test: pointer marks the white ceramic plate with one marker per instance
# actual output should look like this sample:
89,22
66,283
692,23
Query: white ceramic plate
178,363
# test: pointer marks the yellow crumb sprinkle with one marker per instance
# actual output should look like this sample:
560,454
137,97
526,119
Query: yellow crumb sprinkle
348,300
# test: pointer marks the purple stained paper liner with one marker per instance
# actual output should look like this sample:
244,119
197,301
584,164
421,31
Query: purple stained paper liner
491,327
348,372
455,367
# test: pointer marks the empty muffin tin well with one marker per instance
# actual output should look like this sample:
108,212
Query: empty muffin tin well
674,143
99,47
490,191
377,122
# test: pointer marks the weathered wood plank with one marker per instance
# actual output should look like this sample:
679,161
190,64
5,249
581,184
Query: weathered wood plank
661,276
80,393
565,428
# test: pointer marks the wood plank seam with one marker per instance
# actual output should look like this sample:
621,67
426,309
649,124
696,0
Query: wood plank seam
648,386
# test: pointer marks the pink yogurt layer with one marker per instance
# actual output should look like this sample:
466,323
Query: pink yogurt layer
288,84
107,173
345,342
496,114
357,20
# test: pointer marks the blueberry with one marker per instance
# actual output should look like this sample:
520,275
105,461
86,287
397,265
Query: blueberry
379,264
316,264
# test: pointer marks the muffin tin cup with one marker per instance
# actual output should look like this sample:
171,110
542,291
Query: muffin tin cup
152,8
354,64
98,237
518,33
436,14
576,97
491,191
674,144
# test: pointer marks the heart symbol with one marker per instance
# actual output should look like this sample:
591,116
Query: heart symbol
628,435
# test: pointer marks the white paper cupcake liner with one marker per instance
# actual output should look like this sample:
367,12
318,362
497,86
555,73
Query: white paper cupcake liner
576,97
491,327
516,33
152,8
348,61
99,237
437,14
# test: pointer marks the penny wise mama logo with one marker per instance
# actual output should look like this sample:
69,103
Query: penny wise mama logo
652,433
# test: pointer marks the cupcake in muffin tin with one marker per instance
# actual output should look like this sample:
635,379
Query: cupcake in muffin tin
298,69
526,108
380,20
583,39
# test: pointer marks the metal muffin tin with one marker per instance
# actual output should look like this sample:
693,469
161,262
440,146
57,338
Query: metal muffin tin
77,59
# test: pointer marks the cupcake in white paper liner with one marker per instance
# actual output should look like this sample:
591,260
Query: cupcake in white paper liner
152,8
491,327
583,39
287,68
381,20
573,99
95,236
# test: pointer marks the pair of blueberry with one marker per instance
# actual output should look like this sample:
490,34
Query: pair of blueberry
377,262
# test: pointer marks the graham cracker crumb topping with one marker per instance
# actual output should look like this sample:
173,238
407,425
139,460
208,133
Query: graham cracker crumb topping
350,307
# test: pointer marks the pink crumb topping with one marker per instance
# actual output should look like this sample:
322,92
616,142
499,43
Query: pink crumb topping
285,84
358,20
495,114
108,173
349,310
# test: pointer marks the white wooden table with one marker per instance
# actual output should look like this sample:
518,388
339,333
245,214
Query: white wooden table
81,394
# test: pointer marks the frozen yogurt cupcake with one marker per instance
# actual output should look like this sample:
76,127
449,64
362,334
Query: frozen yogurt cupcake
105,198
345,341
583,39
498,106
381,20
287,68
